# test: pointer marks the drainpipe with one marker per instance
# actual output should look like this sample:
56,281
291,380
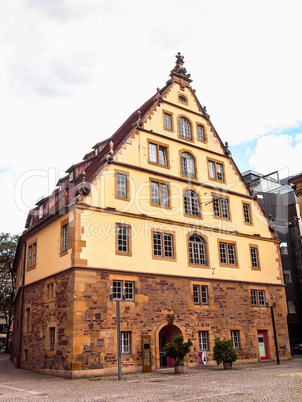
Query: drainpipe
22,304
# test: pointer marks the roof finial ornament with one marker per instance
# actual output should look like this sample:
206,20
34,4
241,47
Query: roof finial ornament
83,176
227,151
139,121
111,147
158,95
179,73
205,111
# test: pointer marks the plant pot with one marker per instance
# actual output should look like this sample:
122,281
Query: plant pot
227,365
179,369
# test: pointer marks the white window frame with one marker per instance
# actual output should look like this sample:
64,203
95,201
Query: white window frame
235,336
126,342
203,338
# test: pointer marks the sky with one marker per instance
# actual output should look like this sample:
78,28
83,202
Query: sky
72,71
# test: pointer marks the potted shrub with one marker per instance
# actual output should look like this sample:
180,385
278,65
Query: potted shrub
177,350
224,352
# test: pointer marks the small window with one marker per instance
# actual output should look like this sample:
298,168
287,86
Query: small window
262,299
117,288
247,213
27,319
227,254
200,132
34,254
182,99
258,298
215,171
129,290
64,238
26,354
197,255
221,207
121,185
204,295
123,239
287,276
126,342
235,339
184,128
187,165
191,202
196,294
41,211
50,287
291,307
158,154
70,177
30,252
254,297
203,340
52,338
163,245
168,121
160,194
254,257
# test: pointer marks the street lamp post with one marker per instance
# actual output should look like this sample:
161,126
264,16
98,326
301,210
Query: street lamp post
274,330
118,330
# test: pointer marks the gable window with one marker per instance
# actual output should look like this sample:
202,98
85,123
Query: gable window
119,292
227,254
235,338
121,185
158,154
203,337
247,213
163,246
160,194
215,170
191,201
221,207
182,99
32,255
52,338
200,132
187,164
123,239
125,342
184,128
168,121
254,257
258,298
200,291
64,237
197,255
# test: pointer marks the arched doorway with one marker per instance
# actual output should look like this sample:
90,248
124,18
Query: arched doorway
166,335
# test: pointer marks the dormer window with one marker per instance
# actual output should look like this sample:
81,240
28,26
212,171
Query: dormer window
70,177
41,211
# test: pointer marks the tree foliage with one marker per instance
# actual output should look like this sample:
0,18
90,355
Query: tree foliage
223,351
178,349
8,246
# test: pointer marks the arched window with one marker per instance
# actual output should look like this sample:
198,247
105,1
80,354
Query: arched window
184,128
191,201
187,164
197,252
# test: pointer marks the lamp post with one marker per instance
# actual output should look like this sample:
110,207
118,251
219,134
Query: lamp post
118,330
274,330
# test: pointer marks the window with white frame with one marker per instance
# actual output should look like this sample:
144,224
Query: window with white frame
184,128
235,338
159,193
200,294
215,170
168,121
187,165
247,213
200,132
158,154
163,245
258,298
203,340
191,201
122,290
227,254
221,207
197,252
121,185
41,211
64,237
126,342
254,257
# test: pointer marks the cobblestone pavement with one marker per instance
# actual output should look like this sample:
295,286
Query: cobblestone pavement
263,381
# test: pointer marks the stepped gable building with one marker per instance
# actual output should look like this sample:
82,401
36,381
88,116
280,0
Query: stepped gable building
159,218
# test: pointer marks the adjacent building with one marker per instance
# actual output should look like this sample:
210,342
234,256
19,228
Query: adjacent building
279,202
159,218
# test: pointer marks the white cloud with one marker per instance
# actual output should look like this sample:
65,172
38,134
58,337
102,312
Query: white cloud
277,152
